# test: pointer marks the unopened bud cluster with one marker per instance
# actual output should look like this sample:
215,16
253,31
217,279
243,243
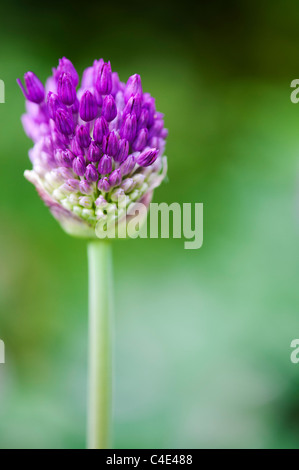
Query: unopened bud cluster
97,148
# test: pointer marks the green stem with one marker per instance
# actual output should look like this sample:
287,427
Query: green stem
100,345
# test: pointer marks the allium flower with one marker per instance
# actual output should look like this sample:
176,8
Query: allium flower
104,140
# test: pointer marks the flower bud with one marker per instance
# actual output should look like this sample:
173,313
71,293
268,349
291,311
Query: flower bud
109,110
129,127
64,121
105,165
35,89
79,165
123,151
110,144
127,185
85,187
53,103
147,157
94,153
104,79
143,118
103,185
65,65
141,139
83,136
133,106
91,173
127,166
101,128
88,106
133,86
64,158
66,89
115,178
85,201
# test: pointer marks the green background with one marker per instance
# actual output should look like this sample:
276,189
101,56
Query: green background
202,337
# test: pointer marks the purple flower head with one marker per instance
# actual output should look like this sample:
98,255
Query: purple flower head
35,89
147,157
65,65
79,165
133,87
123,151
129,127
83,136
64,121
115,178
88,106
66,89
109,110
100,129
110,144
94,152
94,146
104,79
105,165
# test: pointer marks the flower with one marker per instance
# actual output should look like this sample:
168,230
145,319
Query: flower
96,148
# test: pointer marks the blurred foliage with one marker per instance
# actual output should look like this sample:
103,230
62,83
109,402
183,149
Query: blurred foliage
202,337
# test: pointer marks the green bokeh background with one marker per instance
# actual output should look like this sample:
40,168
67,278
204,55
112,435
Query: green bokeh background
202,337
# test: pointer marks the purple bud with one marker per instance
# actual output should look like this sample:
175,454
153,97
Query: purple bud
115,178
143,119
103,185
91,173
127,185
65,65
101,201
110,144
94,152
85,187
76,148
66,89
156,128
164,133
141,139
123,151
98,97
83,136
105,165
129,127
74,184
104,79
101,128
133,106
149,104
133,86
64,158
127,166
88,106
148,157
79,165
53,103
35,89
109,110
64,121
